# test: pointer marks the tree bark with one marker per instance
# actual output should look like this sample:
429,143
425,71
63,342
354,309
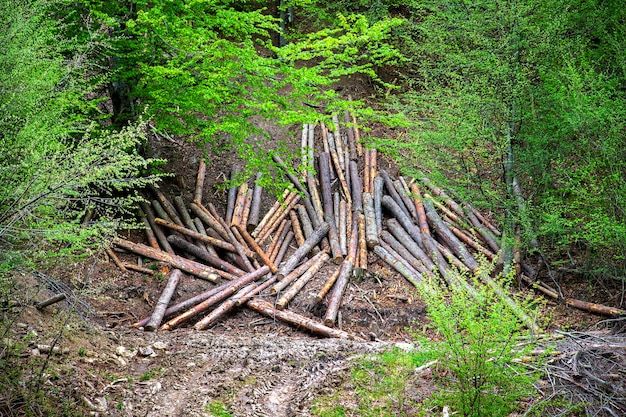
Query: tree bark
164,300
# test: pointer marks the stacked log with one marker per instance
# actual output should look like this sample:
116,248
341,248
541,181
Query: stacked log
331,222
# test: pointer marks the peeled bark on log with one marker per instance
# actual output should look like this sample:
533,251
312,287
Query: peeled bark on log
255,247
357,187
370,221
295,226
471,242
361,263
211,301
164,300
199,236
406,200
307,227
336,199
194,268
291,276
158,232
200,228
200,180
226,306
406,222
138,268
448,237
433,251
405,254
115,259
409,274
343,238
334,155
366,171
403,237
159,211
255,205
327,286
282,231
187,221
440,193
445,210
306,247
311,142
485,233
315,196
378,197
286,297
232,195
483,220
373,168
167,206
184,214
419,209
205,215
150,236
247,206
190,302
339,288
393,193
52,300
282,214
339,144
270,213
276,210
242,251
240,202
348,175
265,308
334,300
230,270
451,257
284,247
571,302
256,290
328,208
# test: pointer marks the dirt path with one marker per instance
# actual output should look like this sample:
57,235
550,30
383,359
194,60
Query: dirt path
191,373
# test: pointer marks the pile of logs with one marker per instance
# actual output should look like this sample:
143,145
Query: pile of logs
335,217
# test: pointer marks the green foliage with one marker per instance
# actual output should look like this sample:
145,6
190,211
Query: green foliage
523,89
218,409
382,385
480,369
56,166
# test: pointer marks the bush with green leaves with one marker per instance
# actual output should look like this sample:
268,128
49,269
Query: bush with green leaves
527,91
477,345
57,165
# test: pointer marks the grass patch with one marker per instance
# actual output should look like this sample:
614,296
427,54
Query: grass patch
380,385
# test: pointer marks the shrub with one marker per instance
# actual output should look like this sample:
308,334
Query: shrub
479,369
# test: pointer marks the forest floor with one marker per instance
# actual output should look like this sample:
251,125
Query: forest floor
247,364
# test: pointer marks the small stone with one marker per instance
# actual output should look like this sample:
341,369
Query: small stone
159,345
146,351
155,388
122,351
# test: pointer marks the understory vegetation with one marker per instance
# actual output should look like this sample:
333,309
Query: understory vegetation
517,106
475,358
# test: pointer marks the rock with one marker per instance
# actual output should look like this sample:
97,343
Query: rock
147,351
122,351
159,345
